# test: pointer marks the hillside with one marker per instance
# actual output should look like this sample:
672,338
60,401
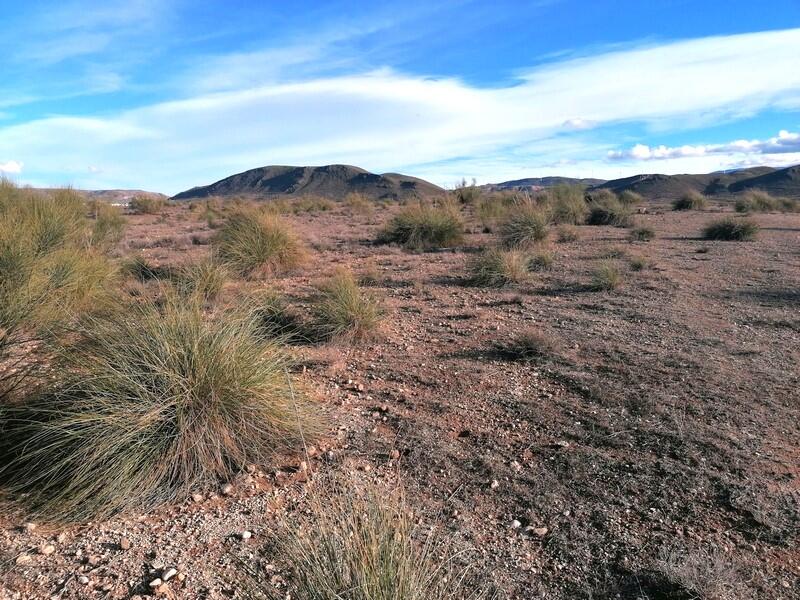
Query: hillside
120,195
784,182
332,181
541,182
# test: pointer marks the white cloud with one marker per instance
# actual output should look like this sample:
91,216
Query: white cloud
384,120
11,166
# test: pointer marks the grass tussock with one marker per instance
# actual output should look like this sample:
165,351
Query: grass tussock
498,267
642,234
359,204
690,200
253,242
606,209
542,260
344,311
203,280
276,319
607,277
147,205
730,229
146,406
354,544
760,201
630,198
526,225
567,233
108,226
529,345
567,204
423,226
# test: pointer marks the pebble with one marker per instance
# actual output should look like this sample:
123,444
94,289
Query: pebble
23,559
125,543
29,527
515,524
540,531
155,583
83,580
47,549
495,484
246,535
197,497
227,489
169,574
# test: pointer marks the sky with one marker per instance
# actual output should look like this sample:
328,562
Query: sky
164,95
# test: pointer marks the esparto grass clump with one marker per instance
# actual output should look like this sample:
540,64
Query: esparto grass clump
423,226
732,230
498,267
146,406
343,310
524,226
690,200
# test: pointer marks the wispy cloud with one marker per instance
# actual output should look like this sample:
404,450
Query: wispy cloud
385,120
11,166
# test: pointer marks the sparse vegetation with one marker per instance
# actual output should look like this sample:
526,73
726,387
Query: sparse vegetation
606,209
642,234
108,227
629,198
467,193
756,201
730,229
606,277
690,200
343,310
497,267
424,226
529,345
147,205
567,204
525,226
203,279
359,204
638,263
146,406
254,242
567,233
542,260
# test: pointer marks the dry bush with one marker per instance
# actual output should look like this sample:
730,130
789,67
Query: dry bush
528,345
309,204
541,260
630,198
276,319
146,406
493,208
253,241
203,280
364,544
567,204
525,225
344,311
497,267
466,193
606,277
359,203
642,234
108,227
702,574
423,226
567,233
690,200
147,205
638,263
756,201
730,229
606,209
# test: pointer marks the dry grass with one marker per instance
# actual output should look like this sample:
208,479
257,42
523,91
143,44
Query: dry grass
203,280
529,345
730,229
146,406
344,311
147,205
424,226
525,225
607,209
364,545
567,204
760,201
642,234
690,200
497,267
359,204
256,242
606,277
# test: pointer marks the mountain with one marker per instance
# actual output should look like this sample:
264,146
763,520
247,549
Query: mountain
332,181
669,187
533,183
120,195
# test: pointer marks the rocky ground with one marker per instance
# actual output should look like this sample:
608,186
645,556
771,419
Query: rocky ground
652,454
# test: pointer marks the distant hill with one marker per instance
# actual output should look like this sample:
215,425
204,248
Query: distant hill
778,182
331,181
120,195
533,183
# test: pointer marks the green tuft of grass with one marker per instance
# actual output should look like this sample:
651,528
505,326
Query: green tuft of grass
108,227
730,229
498,267
606,209
148,405
203,280
756,201
344,311
606,277
524,226
690,200
424,226
567,204
254,242
541,260
638,263
630,198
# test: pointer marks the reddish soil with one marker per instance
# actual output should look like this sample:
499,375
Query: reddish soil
657,444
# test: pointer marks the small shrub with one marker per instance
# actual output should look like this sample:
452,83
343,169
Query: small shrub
497,267
529,345
467,193
525,226
359,204
756,201
494,208
140,269
608,210
108,227
567,233
203,280
370,275
252,242
638,263
567,204
424,226
690,200
542,260
342,310
630,198
642,234
729,229
147,205
363,544
606,277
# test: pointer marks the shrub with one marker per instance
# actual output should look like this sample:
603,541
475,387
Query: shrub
204,279
524,226
252,241
638,263
355,544
306,204
756,201
608,210
690,200
567,233
630,198
497,267
358,203
342,310
109,225
606,277
147,205
528,345
729,229
642,234
542,260
147,406
567,204
493,208
467,193
422,226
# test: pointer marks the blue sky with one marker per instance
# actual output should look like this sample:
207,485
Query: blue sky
168,94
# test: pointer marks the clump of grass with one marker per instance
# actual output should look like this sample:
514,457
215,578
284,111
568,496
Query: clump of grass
542,260
359,203
466,193
529,345
606,209
567,204
108,226
423,226
642,234
730,229
276,319
756,201
342,310
567,233
147,205
690,200
147,406
142,270
524,226
254,242
630,198
203,280
363,544
370,274
606,277
493,208
497,267
638,263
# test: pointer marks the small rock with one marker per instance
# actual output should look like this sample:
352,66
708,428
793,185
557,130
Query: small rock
24,559
169,574
227,489
47,549
515,524
395,454
197,498
125,543
155,583
83,580
495,484
29,527
181,577
93,560
540,531
246,535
